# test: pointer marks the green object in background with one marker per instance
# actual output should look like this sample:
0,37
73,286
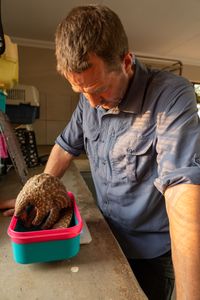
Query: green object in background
197,91
2,101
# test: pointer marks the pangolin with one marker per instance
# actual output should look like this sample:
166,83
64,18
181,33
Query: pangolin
47,195
65,218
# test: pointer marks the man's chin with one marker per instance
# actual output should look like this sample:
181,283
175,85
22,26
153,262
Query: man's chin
109,105
105,107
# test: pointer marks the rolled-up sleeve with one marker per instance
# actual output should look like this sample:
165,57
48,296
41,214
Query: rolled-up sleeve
71,139
178,139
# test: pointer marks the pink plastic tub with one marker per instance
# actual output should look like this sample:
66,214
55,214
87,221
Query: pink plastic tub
46,245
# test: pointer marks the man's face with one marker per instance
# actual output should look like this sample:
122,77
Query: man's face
99,85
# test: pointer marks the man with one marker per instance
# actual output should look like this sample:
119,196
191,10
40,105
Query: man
140,130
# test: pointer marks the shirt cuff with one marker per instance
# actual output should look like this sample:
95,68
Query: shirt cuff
190,175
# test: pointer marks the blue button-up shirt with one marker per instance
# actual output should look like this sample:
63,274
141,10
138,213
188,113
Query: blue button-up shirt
137,150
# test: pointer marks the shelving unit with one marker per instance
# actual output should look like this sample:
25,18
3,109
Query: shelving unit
171,65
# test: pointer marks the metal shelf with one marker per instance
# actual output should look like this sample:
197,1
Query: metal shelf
171,65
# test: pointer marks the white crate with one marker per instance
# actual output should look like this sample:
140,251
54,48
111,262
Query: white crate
25,94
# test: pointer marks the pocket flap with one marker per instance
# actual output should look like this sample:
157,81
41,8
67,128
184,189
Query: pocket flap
92,135
141,147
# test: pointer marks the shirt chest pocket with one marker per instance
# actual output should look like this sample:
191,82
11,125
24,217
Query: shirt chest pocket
91,145
135,161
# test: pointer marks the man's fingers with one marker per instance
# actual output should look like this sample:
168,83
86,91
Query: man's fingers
9,212
4,204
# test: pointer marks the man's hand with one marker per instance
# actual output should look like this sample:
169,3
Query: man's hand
183,208
8,207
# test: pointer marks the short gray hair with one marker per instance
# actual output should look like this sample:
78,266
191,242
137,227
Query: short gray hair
90,29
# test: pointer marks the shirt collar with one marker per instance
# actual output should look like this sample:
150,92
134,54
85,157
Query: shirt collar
134,97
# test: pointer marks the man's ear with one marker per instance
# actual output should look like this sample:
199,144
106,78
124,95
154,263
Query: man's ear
128,61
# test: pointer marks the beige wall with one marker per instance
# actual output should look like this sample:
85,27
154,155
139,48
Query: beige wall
37,67
192,73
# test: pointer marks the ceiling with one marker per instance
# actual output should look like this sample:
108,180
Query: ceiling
169,29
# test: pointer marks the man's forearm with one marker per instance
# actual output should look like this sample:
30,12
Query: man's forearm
183,207
58,162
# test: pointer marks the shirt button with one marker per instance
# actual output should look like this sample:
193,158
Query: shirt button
129,150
